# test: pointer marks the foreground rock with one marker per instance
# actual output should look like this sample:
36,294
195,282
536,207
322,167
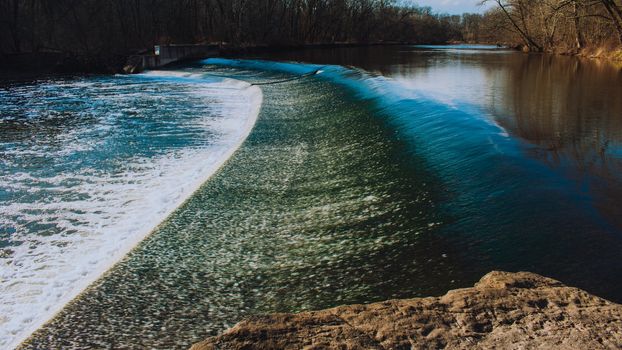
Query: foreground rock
503,311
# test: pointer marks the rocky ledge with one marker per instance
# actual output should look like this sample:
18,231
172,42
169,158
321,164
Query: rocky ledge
502,311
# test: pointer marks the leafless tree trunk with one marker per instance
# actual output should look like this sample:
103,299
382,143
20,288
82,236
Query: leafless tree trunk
616,15
522,28
579,39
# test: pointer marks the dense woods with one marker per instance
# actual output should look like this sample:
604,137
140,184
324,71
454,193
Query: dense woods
549,25
119,27
105,32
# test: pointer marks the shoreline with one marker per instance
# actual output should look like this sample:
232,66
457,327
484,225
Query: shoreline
57,65
611,55
62,65
41,65
31,66
502,310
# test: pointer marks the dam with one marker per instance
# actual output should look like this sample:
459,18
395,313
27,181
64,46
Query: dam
163,55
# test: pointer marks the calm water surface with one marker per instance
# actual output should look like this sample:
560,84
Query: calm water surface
392,172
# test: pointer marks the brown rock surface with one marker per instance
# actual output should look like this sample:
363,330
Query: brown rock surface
503,311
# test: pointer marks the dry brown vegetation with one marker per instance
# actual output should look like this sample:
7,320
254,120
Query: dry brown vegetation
567,26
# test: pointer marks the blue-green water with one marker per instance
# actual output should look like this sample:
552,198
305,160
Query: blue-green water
89,166
414,172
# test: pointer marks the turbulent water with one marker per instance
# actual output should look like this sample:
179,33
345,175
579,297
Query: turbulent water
90,166
416,174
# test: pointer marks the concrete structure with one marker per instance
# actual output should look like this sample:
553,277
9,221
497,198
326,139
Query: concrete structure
166,54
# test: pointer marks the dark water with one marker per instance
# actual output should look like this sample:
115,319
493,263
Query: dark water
416,172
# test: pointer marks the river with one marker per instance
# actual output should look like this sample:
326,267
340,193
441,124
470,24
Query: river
371,173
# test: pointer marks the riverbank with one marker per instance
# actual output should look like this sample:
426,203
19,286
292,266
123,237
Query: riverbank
43,64
612,54
503,310
29,66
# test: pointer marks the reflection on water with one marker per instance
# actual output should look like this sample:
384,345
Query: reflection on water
568,110
571,111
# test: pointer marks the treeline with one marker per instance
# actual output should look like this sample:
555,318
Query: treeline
549,25
105,32
120,27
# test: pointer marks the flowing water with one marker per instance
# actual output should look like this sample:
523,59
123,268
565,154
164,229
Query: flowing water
371,173
90,166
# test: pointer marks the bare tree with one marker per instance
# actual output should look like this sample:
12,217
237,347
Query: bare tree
549,25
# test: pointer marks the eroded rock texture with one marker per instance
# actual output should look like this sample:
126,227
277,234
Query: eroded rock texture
503,311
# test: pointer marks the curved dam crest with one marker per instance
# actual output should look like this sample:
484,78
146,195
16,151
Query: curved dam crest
117,206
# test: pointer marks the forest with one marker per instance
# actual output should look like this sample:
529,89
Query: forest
564,26
104,32
108,28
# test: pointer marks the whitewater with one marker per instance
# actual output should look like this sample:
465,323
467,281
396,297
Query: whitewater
76,198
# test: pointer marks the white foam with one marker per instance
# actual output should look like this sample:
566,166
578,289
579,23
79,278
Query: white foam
120,210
